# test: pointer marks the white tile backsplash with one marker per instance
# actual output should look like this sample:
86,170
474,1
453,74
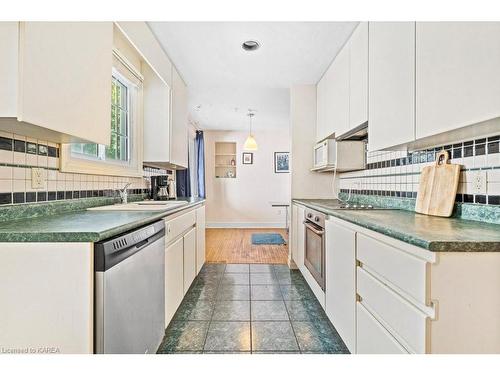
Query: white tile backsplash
15,174
397,173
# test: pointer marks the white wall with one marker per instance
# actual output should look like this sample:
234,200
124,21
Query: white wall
245,200
306,184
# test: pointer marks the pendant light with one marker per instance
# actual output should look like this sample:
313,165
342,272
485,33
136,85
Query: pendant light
250,144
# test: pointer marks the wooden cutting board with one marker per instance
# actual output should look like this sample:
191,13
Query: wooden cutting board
438,187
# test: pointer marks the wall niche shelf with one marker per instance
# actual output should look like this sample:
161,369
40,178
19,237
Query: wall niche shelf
225,157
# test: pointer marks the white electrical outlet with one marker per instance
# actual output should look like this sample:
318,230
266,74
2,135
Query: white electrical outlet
479,182
37,180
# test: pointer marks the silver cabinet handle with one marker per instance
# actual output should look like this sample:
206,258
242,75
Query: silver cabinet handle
309,226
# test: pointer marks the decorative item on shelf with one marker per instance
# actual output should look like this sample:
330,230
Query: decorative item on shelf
281,162
250,143
230,174
233,162
247,158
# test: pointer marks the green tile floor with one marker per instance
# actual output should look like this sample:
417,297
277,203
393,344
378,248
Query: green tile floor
256,308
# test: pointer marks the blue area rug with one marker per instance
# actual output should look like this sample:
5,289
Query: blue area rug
267,239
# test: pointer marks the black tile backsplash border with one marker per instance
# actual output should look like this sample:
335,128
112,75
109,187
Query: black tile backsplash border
17,145
458,150
44,196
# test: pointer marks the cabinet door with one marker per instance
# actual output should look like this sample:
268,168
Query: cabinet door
337,105
189,258
321,109
156,109
458,75
200,238
300,238
340,287
391,88
372,337
174,288
293,233
178,132
9,37
65,77
358,73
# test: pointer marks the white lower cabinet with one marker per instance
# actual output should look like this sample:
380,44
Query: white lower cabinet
183,246
385,296
200,238
340,291
407,323
298,236
372,337
174,279
189,258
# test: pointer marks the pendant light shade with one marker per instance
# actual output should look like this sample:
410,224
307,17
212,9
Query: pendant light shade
250,143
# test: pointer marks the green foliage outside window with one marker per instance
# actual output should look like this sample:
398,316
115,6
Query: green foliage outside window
119,143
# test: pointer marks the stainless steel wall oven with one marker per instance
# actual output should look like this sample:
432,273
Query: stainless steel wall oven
314,257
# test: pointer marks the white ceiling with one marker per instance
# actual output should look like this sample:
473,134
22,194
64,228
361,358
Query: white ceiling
221,76
226,108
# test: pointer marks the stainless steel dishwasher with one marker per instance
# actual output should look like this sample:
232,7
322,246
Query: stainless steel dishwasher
130,291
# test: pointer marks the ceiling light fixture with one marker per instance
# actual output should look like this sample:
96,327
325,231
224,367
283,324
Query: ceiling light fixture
250,45
250,143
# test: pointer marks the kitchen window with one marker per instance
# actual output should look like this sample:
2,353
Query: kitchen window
123,155
118,150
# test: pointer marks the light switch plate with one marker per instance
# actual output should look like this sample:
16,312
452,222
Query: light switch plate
37,180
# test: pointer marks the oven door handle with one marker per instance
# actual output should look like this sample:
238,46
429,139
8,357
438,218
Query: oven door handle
310,226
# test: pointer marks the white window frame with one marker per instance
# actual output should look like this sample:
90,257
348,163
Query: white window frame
79,163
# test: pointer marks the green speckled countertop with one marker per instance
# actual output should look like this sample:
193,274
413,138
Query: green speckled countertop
82,225
429,232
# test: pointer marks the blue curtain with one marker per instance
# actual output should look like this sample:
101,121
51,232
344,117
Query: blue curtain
200,168
183,182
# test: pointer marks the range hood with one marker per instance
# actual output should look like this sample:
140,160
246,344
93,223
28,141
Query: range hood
358,133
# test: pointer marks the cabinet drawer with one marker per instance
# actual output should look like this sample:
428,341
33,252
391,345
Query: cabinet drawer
175,227
404,320
405,271
372,337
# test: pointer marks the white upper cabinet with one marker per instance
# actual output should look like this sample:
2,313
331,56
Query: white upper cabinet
458,75
342,92
391,87
358,73
156,117
321,131
333,98
165,101
338,93
150,49
178,134
60,76
9,63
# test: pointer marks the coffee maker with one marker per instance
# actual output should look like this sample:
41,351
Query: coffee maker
159,188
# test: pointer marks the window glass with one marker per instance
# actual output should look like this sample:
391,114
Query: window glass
119,148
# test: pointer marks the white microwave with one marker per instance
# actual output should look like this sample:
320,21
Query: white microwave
340,155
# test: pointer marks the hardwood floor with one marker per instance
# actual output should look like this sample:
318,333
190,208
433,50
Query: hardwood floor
235,246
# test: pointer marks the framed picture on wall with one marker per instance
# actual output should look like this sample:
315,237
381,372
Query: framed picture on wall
247,158
281,162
